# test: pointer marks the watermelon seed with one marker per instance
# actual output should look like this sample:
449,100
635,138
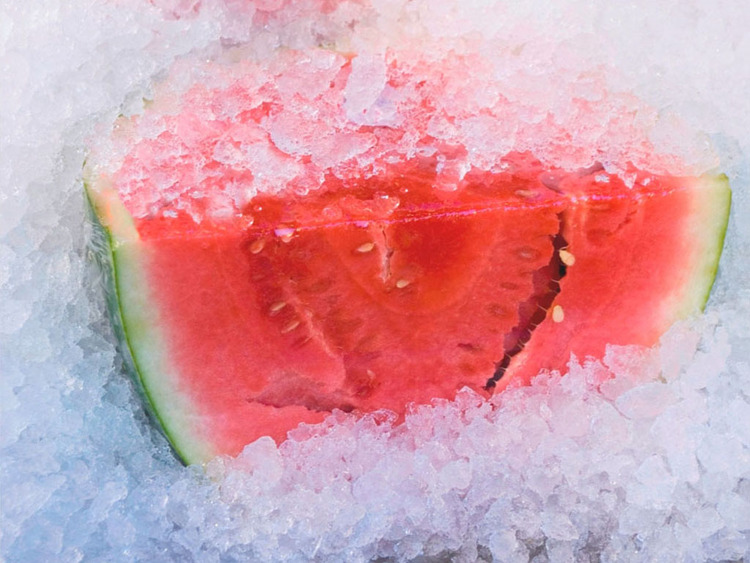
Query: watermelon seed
566,257
257,246
285,234
558,315
401,284
290,327
526,194
276,307
366,247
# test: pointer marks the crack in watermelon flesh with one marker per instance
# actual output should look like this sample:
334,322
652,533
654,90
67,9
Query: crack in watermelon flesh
382,291
531,313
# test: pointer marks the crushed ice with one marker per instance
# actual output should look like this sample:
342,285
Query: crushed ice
642,456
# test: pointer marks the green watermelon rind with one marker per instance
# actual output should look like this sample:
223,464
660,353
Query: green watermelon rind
116,250
708,227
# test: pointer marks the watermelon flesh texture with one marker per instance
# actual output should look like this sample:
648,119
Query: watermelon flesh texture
389,290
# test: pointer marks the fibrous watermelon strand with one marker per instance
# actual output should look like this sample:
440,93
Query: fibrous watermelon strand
531,313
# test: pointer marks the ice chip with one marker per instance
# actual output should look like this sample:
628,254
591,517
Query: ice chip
735,510
14,314
262,460
705,522
678,346
505,544
558,526
724,454
654,484
364,86
645,401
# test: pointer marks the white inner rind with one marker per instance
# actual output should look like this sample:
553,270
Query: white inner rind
705,229
139,317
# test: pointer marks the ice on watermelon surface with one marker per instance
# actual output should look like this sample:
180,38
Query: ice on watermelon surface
640,455
290,238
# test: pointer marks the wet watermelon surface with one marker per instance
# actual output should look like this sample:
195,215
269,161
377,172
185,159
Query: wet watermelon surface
390,290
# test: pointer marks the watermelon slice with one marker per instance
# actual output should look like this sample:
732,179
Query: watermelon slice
382,287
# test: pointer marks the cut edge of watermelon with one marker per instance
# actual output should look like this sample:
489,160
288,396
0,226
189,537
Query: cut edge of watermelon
120,254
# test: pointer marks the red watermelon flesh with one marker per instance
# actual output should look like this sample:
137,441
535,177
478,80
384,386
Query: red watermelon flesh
370,282
386,291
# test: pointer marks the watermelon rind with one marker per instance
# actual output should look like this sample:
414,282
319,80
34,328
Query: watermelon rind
134,317
707,230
